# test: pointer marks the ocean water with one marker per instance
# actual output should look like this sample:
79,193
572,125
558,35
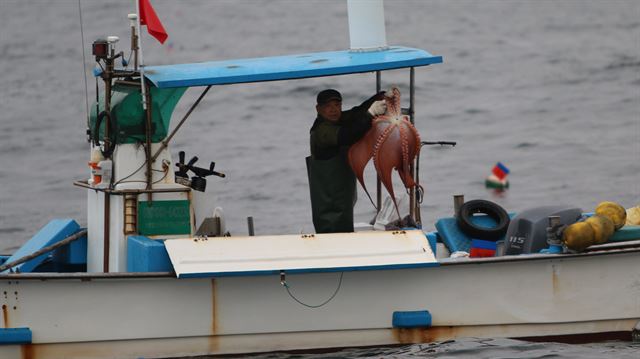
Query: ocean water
477,348
549,88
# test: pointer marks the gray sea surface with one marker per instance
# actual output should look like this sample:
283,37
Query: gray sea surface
549,88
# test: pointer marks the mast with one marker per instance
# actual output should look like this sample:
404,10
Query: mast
366,25
133,21
367,32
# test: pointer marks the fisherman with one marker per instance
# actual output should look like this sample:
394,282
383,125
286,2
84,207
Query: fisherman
331,181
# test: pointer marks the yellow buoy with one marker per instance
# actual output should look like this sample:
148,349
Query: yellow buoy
633,216
615,212
578,236
603,228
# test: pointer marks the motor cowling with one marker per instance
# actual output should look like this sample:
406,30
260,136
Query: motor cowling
527,232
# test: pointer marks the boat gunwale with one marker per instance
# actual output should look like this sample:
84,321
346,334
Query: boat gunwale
84,276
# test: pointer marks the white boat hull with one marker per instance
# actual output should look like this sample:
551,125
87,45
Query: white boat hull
95,316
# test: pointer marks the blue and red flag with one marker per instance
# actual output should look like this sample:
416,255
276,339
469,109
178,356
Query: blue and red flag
501,171
480,248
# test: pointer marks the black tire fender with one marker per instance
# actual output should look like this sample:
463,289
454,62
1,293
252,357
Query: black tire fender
497,213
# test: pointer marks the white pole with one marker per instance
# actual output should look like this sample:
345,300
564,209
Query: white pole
144,88
366,25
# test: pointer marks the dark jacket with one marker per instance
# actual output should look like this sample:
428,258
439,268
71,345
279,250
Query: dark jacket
328,139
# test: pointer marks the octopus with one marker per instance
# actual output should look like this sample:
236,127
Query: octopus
393,143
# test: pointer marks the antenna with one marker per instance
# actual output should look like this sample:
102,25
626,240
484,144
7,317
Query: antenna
366,25
133,21
143,87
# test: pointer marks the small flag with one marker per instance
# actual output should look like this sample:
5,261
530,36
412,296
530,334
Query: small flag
500,171
480,248
148,17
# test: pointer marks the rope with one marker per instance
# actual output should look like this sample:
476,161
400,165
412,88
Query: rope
84,65
286,286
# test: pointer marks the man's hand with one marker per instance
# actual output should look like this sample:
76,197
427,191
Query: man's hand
378,108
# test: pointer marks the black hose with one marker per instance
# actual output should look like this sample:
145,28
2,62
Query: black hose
109,146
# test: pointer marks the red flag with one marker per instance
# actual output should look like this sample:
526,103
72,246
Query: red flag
148,17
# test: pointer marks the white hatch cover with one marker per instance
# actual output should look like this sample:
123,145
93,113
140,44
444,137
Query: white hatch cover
306,253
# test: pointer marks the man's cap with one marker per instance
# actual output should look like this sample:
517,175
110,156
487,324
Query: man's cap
328,95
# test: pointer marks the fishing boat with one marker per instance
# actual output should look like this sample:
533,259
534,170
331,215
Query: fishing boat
152,276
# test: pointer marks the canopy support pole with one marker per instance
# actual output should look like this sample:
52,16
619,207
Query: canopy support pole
165,143
412,191
147,130
378,182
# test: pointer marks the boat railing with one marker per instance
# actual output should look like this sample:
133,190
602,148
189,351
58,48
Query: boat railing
85,184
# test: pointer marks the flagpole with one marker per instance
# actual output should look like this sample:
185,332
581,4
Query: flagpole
142,84
147,111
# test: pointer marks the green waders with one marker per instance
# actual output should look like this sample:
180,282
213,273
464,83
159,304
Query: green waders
333,194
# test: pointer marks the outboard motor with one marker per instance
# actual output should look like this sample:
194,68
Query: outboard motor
527,232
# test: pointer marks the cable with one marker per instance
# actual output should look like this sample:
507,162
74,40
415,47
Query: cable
133,173
163,177
123,180
128,60
286,286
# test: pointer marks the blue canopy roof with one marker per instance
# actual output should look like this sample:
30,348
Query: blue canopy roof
287,67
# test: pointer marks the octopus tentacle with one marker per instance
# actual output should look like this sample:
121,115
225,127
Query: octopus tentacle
358,156
404,141
380,141
386,160
362,151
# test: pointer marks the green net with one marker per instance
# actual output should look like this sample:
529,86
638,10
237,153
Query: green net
130,118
